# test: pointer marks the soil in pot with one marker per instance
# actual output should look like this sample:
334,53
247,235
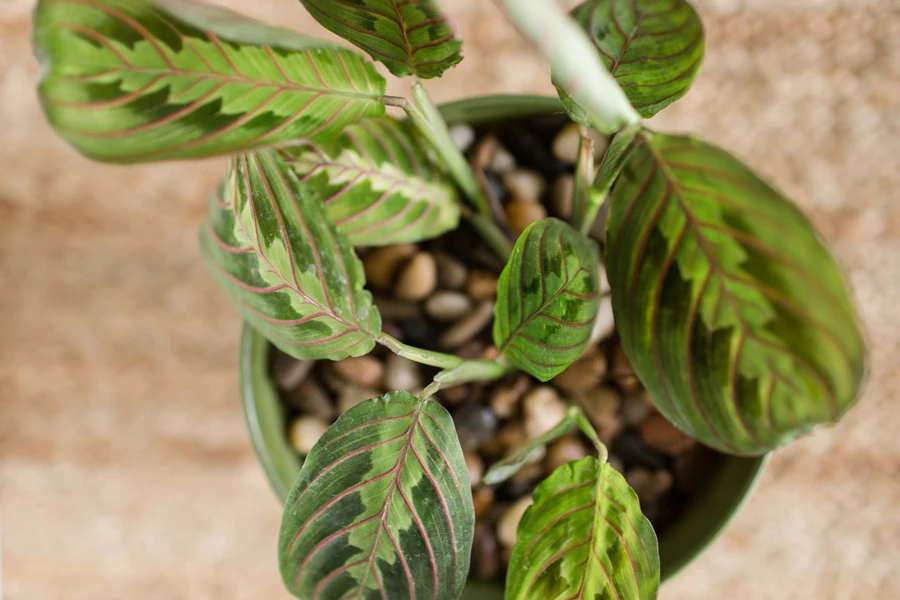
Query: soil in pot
439,295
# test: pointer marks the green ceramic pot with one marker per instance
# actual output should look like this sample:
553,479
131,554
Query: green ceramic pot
703,519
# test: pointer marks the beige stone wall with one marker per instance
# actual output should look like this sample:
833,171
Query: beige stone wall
125,471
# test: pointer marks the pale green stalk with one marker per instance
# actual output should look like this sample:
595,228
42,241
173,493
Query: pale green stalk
576,65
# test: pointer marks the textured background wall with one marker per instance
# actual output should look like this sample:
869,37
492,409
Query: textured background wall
125,471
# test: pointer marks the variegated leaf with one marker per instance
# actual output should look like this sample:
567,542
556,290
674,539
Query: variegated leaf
378,183
381,508
292,275
652,47
584,537
731,309
547,299
411,37
143,80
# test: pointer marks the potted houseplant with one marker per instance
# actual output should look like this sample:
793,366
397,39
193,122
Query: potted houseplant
730,313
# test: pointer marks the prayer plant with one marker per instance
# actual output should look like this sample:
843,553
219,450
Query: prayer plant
728,304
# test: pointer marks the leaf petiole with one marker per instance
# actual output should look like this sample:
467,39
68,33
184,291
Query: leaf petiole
584,175
588,430
419,355
610,167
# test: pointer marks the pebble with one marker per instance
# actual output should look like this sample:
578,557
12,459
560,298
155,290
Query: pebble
622,372
352,395
305,432
563,451
482,500
452,273
288,372
501,160
584,374
475,466
418,278
523,481
636,408
605,323
310,397
616,463
392,309
510,437
485,552
543,410
382,263
658,433
505,398
524,185
448,306
508,524
522,214
455,395
475,424
561,195
401,374
482,285
629,447
600,404
462,135
363,370
649,485
468,327
567,143
604,281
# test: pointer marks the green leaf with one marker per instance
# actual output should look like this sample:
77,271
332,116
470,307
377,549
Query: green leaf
381,508
141,80
411,38
547,299
731,309
584,537
283,264
510,464
652,47
378,183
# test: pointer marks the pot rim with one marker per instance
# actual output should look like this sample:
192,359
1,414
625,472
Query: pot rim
702,521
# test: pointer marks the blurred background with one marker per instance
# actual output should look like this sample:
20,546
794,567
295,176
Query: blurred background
125,469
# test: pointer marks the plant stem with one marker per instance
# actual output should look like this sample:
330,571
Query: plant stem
584,178
587,429
419,355
575,63
613,161
473,370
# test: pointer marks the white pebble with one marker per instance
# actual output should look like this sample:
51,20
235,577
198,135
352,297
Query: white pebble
305,432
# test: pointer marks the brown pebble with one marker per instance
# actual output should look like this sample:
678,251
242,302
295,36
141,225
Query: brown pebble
471,350
621,371
362,370
381,264
401,374
485,553
505,398
288,372
508,524
508,438
468,327
418,278
616,463
392,309
305,432
452,273
482,285
601,405
352,395
584,374
649,485
658,433
564,451
482,500
311,398
524,185
520,215
448,306
475,466
543,409
456,395
561,196
636,408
